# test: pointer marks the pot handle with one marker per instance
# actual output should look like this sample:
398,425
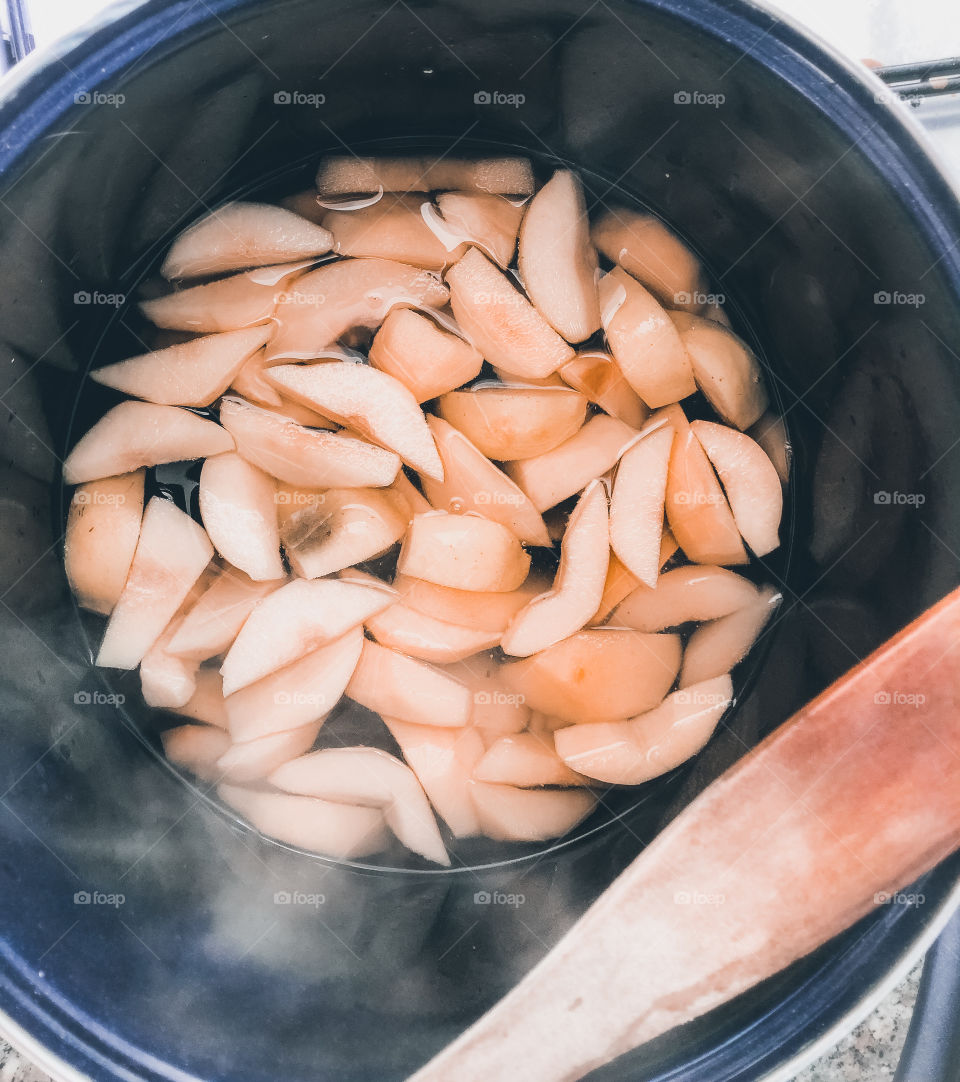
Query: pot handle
932,1049
927,79
17,40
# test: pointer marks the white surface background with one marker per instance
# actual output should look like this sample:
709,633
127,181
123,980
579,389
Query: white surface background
891,31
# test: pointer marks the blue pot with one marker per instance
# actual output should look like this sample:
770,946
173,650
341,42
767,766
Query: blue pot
146,933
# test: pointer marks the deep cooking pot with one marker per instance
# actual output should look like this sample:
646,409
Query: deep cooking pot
144,933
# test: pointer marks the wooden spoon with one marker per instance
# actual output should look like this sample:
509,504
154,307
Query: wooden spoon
854,797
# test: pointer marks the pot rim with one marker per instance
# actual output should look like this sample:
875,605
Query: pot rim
36,92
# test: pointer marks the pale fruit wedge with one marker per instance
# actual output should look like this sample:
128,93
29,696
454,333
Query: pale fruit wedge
323,304
557,261
471,482
194,373
239,510
294,621
368,401
508,423
488,222
750,481
415,500
349,175
306,204
507,814
207,703
695,592
253,760
771,433
394,228
697,510
370,777
634,751
715,311
392,684
647,250
293,411
637,503
500,321
553,380
597,376
426,359
304,456
252,384
621,582
171,555
135,434
552,477
339,831
496,707
725,368
526,760
578,585
644,341
715,648
196,748
349,526
103,525
298,694
464,551
166,680
215,620
443,760
603,674
424,637
489,612
295,503
241,300
239,235
547,723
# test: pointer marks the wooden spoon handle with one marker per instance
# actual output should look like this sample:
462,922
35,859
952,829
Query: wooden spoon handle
852,798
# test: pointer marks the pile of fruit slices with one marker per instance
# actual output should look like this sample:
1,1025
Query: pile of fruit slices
471,433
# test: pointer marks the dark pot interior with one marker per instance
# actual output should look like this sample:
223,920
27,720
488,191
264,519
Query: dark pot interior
810,203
